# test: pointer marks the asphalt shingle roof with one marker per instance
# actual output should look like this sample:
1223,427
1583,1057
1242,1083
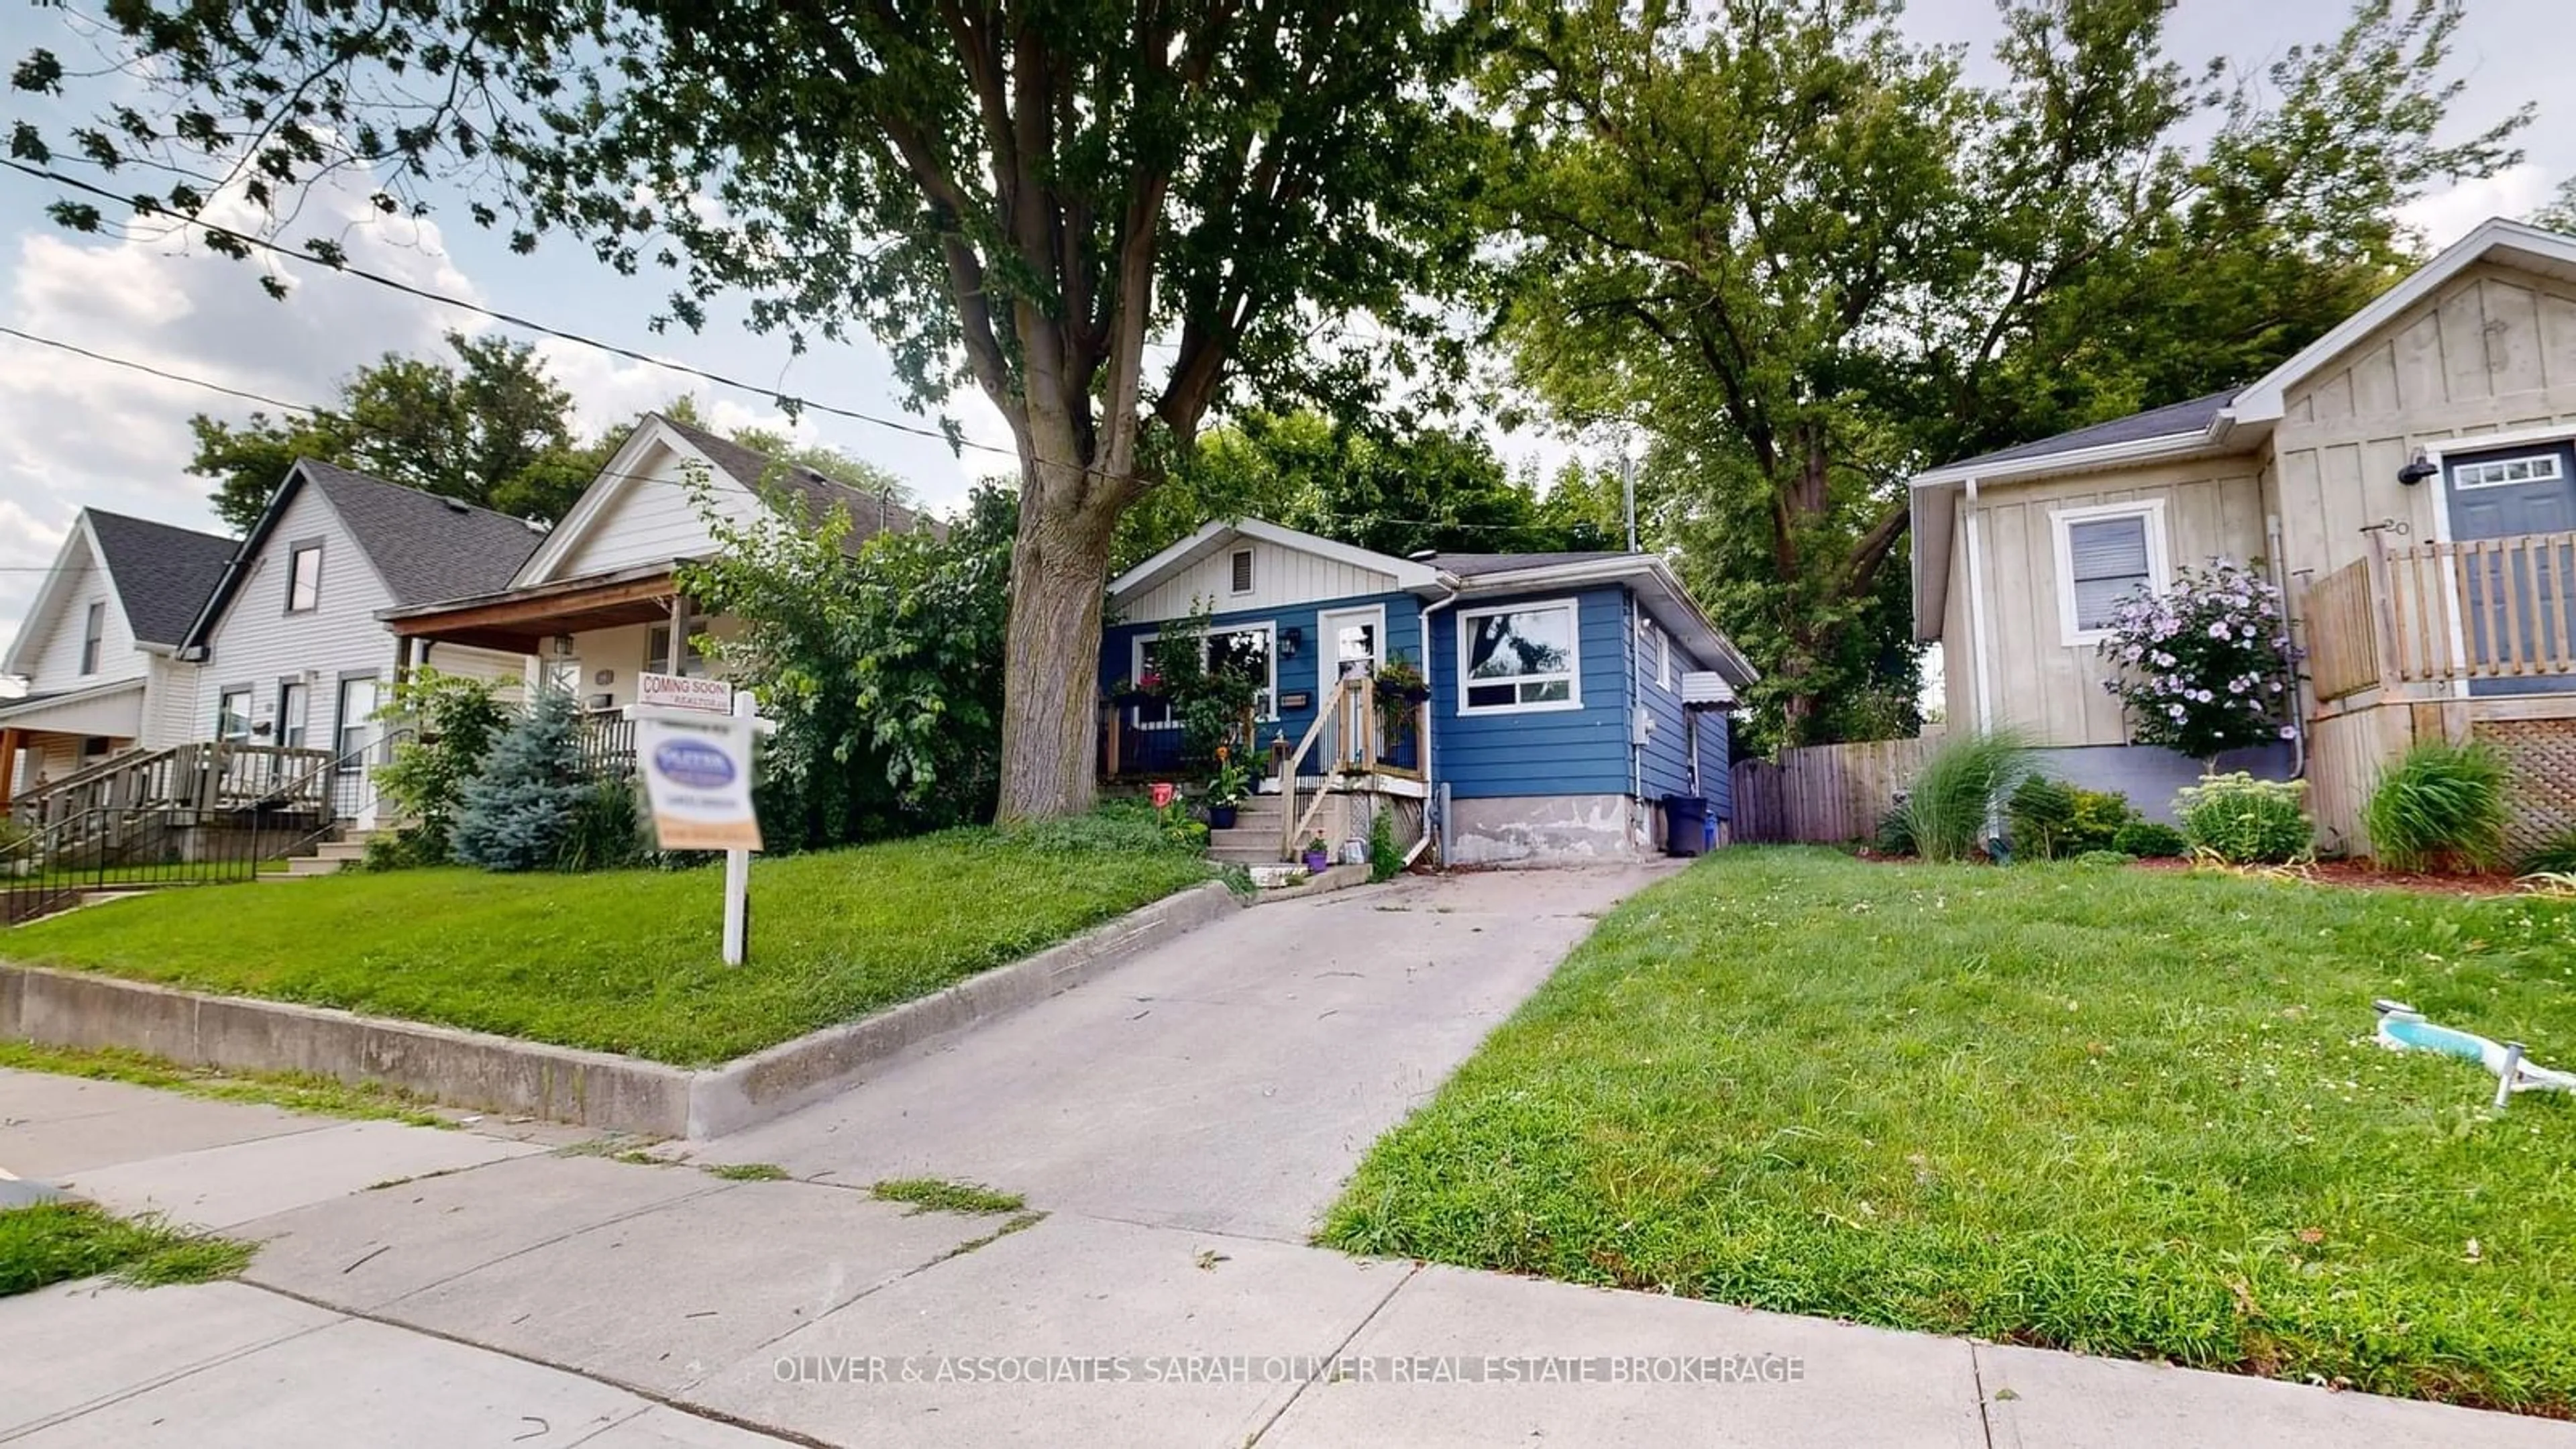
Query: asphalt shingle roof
871,512
425,547
1469,565
163,573
2182,417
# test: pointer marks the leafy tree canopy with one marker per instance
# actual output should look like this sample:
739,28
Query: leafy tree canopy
493,428
1811,259
1021,194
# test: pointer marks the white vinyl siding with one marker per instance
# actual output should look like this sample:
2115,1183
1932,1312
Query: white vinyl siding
56,666
1514,658
649,518
258,641
2104,555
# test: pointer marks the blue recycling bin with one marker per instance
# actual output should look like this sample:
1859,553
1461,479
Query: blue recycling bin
1686,825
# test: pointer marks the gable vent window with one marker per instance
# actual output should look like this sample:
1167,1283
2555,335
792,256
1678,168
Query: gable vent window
93,634
304,578
1241,581
2104,556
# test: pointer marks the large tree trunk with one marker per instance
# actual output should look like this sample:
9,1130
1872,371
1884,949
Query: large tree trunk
1051,652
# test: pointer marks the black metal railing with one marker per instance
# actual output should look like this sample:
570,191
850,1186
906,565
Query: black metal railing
143,848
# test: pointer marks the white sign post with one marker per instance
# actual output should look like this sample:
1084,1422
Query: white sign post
697,777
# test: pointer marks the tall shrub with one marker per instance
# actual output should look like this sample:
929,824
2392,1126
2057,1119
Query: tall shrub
2441,806
517,814
452,721
1957,794
2206,665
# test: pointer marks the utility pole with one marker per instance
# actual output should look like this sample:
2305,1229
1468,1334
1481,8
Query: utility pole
1628,488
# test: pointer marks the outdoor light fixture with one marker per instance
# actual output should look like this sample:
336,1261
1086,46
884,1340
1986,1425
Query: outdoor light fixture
1289,639
2418,470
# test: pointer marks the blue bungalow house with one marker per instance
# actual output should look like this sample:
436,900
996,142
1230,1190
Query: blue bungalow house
1563,695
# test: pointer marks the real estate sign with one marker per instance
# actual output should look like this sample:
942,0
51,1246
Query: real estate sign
697,777
673,691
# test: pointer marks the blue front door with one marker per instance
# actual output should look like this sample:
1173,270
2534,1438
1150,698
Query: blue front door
2516,606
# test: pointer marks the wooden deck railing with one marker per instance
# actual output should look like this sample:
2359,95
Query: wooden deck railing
208,775
2435,613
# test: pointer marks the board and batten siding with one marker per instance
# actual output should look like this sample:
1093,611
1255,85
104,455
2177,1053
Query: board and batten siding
1280,577
1539,752
2491,352
652,518
58,658
258,644
2051,690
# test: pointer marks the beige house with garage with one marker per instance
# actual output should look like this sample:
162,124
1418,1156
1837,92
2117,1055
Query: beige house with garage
2410,481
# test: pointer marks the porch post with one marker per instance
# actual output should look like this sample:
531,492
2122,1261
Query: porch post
8,768
402,662
679,632
2383,603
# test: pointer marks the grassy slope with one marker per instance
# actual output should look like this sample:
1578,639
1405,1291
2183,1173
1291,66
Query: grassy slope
2136,1114
626,961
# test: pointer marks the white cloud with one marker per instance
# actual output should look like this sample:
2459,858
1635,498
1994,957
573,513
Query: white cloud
2447,216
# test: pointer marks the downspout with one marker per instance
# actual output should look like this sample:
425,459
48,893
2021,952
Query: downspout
1430,715
1978,636
2298,711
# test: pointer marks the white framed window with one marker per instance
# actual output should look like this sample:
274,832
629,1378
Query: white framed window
1654,649
2497,472
304,578
657,652
294,713
1238,576
2104,555
353,723
1520,657
1250,649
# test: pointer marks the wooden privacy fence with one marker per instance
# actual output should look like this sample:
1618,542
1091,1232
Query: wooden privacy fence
2431,613
1823,794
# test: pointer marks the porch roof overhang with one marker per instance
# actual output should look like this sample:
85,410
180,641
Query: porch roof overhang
519,620
114,709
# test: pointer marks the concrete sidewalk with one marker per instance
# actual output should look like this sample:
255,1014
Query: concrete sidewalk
1179,1123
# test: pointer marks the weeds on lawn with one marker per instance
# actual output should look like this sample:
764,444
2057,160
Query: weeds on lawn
57,1242
745,1171
932,1194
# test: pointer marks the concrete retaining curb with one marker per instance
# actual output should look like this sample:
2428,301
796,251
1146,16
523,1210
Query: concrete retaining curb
566,1084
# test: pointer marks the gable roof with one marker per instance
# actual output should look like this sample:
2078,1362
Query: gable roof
1220,533
158,574
2219,424
767,478
424,547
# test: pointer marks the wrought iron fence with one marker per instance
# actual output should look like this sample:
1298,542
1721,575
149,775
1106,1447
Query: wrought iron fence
135,848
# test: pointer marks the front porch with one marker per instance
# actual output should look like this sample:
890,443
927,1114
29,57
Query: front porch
1361,754
2462,640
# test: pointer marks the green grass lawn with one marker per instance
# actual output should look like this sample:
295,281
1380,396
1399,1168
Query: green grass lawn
626,961
2126,1112
60,1241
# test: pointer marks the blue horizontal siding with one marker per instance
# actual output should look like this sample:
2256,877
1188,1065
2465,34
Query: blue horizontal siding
1145,750
1547,752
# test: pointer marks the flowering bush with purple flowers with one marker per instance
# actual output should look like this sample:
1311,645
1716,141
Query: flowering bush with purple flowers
2206,665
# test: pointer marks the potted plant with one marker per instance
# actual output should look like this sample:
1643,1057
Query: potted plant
1225,792
1318,856
1128,693
1402,679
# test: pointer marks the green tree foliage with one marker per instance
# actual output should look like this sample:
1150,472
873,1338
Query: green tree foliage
451,722
882,666
519,810
1018,195
1810,259
493,428
1379,487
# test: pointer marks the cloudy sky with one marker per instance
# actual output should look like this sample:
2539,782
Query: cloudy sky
75,432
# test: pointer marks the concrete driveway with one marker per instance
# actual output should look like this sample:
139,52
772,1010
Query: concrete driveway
1227,1082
